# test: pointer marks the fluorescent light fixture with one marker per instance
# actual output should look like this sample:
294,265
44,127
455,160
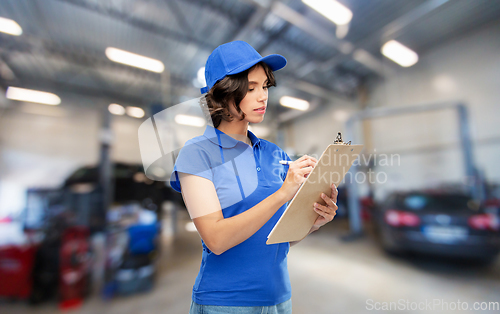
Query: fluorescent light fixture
29,95
399,53
342,31
332,10
116,109
134,60
189,120
135,112
294,103
10,27
201,77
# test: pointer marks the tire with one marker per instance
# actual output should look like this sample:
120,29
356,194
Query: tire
387,245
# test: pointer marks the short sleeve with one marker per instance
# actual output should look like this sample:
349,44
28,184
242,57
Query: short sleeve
284,156
192,159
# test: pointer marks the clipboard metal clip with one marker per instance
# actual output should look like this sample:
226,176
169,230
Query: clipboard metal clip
338,140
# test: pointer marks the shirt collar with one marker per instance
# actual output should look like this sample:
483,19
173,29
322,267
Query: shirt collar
255,140
225,141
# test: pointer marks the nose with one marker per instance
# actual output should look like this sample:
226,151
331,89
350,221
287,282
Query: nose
263,94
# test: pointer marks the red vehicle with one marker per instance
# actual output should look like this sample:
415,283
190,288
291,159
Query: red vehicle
16,266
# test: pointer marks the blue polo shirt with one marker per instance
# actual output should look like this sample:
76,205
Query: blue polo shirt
252,273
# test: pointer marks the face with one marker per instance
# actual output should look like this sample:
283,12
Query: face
255,102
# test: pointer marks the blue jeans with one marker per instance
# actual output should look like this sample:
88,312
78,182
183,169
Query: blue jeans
282,308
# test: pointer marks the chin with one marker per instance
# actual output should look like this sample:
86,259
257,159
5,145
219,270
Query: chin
257,120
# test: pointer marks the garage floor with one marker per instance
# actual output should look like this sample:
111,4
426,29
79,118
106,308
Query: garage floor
327,274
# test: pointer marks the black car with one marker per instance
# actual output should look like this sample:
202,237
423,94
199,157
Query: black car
450,224
130,184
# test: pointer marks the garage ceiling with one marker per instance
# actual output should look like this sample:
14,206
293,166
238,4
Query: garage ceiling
63,42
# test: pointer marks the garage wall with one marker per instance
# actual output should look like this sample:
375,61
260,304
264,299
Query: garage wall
421,150
312,133
467,70
41,145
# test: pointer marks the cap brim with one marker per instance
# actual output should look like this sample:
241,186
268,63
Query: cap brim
274,61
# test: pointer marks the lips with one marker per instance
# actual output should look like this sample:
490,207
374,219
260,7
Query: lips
261,108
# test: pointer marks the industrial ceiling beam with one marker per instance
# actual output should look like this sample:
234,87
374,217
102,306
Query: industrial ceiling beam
398,26
263,7
140,23
344,47
179,16
295,18
59,86
216,8
87,64
253,22
75,56
390,31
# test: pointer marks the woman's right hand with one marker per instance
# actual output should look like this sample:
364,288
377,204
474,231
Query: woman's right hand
297,174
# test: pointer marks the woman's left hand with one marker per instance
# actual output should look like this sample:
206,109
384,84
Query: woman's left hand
328,211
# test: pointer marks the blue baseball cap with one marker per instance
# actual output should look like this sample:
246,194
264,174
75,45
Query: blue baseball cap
235,57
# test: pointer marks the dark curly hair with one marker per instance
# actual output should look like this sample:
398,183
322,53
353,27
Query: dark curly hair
232,88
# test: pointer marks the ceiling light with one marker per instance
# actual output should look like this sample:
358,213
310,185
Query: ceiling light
342,31
399,53
116,109
332,10
135,112
134,60
29,95
294,103
189,120
201,77
10,27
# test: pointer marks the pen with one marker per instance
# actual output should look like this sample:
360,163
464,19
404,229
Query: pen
285,162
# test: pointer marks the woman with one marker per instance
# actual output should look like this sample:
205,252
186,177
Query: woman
235,189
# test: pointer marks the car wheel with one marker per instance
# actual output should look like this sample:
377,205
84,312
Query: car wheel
388,245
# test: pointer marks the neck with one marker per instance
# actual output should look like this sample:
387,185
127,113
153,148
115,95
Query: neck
236,129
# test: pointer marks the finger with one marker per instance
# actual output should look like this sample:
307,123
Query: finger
303,157
326,209
329,201
335,193
298,178
305,163
305,171
326,215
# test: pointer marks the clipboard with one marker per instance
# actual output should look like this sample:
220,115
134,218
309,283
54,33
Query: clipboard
300,216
